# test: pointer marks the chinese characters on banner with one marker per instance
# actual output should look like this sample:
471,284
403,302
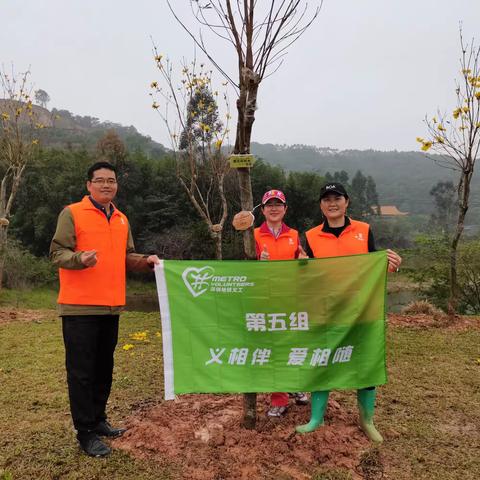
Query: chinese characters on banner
298,325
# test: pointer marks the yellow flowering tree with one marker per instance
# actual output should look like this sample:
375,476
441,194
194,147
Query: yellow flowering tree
456,137
18,140
189,110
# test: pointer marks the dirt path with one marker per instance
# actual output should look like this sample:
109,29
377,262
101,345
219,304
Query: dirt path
11,314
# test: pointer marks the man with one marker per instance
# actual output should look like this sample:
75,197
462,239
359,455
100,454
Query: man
338,235
276,241
92,247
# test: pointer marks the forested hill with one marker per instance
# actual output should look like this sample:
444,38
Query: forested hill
64,129
403,179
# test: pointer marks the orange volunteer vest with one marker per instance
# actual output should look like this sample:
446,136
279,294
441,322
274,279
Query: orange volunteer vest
284,247
103,284
353,240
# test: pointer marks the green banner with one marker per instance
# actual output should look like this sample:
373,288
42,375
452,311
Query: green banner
276,326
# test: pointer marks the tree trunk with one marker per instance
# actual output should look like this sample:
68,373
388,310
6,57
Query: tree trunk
217,240
246,105
463,196
3,251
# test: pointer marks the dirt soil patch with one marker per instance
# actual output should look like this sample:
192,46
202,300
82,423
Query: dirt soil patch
459,323
10,314
202,436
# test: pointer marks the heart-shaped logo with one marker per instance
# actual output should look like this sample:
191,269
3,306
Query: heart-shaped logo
197,280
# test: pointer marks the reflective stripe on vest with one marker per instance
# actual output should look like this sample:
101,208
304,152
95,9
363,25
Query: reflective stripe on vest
104,283
284,247
353,240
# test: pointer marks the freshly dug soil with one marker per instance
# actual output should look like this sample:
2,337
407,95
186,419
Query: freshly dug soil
203,437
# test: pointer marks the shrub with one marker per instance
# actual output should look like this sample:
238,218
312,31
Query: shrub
421,307
24,270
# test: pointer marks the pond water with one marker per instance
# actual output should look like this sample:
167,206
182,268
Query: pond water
396,301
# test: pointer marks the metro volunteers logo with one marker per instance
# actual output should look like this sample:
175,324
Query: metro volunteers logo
201,280
197,280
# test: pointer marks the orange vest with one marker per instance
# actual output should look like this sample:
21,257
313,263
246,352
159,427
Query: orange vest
284,247
103,284
353,240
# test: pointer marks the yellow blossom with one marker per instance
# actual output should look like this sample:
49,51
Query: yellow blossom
35,141
440,127
434,119
5,116
155,105
140,336
158,334
426,146
477,125
158,58
465,109
154,85
420,140
127,346
456,112
466,71
218,144
439,139
477,95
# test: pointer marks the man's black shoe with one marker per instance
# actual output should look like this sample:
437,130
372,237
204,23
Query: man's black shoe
106,430
92,445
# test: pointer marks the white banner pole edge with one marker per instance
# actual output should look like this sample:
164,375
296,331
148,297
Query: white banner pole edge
166,330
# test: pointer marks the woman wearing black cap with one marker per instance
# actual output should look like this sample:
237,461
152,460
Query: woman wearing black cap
339,235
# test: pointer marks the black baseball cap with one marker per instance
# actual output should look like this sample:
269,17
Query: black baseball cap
337,188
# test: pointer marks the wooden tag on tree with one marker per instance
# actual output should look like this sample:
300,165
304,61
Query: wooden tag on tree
243,220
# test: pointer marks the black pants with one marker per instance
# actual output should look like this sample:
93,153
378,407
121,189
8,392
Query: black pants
90,342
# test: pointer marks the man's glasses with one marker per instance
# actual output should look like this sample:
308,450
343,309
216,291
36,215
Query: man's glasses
103,181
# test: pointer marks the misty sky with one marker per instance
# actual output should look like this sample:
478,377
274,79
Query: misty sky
363,76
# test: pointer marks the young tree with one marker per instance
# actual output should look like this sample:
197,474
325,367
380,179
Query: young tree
42,98
456,137
197,136
443,194
260,33
111,148
17,144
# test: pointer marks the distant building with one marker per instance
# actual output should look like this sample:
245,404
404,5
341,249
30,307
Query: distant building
389,211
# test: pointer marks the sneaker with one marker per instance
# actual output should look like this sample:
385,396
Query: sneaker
277,411
299,397
92,445
106,430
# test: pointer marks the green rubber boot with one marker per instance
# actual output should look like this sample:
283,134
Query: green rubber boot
319,402
366,407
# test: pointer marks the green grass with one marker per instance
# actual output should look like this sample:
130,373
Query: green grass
429,411
36,298
37,439
46,297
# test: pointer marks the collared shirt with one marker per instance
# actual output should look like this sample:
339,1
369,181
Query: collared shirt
102,208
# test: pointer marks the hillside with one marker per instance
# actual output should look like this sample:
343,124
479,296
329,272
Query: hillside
66,130
403,179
